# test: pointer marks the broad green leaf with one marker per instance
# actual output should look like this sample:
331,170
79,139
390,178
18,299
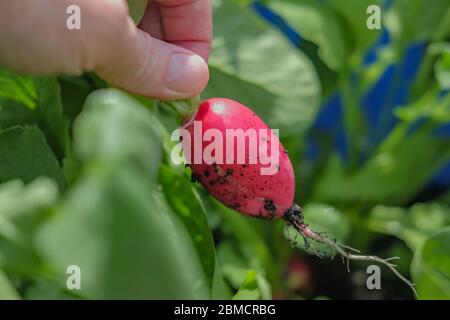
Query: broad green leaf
138,248
354,13
416,20
318,24
117,227
413,225
186,203
17,88
43,108
13,113
24,154
321,218
56,125
431,267
22,208
7,291
285,92
114,126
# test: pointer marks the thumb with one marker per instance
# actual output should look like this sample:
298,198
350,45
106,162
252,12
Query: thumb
136,62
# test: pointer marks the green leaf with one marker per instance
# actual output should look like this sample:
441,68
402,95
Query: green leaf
251,244
254,287
18,199
249,288
74,91
220,290
413,225
233,266
321,218
7,291
431,267
13,113
42,289
115,126
427,106
24,154
17,88
56,125
285,92
415,20
318,24
136,9
138,248
442,70
22,208
43,108
186,203
354,14
119,230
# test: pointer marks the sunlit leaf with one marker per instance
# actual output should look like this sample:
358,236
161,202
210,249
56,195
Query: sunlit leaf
17,88
431,267
318,24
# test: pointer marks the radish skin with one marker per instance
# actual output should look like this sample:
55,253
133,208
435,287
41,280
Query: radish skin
241,186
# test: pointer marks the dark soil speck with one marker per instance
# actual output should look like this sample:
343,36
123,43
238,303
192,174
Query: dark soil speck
195,178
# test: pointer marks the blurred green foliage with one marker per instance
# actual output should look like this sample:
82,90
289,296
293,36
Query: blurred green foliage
85,176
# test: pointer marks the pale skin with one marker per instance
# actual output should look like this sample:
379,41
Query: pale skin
164,57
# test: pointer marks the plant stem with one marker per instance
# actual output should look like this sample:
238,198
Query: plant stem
185,108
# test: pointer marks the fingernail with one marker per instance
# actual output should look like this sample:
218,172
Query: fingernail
186,72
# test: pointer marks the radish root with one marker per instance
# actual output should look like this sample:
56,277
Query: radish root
295,218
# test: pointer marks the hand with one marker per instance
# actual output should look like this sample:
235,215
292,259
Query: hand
163,58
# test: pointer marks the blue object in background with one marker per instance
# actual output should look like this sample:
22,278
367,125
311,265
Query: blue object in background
277,21
391,90
329,123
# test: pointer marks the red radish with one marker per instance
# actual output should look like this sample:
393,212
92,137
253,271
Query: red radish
241,186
